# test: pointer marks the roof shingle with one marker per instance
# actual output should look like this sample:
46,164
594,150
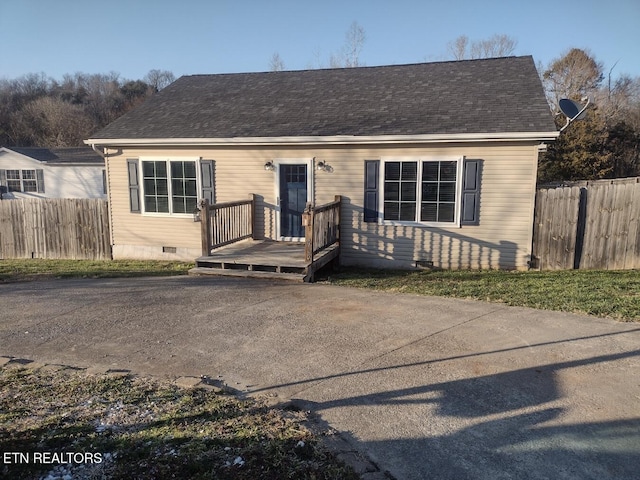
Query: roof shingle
499,95
61,155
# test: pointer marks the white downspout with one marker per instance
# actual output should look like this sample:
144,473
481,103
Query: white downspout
106,167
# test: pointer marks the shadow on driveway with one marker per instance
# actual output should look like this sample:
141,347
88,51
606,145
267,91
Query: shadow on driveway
428,387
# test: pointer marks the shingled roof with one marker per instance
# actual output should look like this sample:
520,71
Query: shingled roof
61,155
499,95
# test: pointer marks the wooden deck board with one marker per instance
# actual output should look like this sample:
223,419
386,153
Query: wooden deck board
264,257
259,252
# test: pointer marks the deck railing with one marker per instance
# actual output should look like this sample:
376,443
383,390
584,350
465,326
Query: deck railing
322,227
226,223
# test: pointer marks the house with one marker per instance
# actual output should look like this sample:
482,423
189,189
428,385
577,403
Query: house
435,163
27,172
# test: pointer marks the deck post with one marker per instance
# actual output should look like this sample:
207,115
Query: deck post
338,198
252,220
205,227
307,221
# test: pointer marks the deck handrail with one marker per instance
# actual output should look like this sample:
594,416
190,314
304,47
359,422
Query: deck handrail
226,222
322,227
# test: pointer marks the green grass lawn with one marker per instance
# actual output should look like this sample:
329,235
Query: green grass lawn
19,270
123,427
605,293
614,294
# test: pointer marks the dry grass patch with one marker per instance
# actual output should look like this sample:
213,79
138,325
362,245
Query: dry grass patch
145,428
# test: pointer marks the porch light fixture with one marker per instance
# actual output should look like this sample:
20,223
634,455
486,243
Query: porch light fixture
196,215
269,166
324,166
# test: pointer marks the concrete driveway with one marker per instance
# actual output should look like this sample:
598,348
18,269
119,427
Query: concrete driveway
426,387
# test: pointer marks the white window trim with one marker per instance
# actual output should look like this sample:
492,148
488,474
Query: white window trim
457,209
169,186
21,179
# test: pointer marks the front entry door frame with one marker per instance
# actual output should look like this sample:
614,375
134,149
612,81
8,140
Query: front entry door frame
290,161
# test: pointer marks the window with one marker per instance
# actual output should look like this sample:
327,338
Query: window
438,202
421,191
24,180
169,186
13,181
184,187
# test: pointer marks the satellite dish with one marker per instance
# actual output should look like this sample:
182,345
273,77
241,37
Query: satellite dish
573,110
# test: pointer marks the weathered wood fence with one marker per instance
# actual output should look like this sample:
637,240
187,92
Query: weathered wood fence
589,225
62,228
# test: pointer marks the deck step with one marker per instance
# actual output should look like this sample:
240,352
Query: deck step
230,272
210,262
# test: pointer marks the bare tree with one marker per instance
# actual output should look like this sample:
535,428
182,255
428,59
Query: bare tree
458,48
158,79
573,75
349,54
495,46
36,110
276,64
354,42
51,122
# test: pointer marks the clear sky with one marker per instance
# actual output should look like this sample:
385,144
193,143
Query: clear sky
185,37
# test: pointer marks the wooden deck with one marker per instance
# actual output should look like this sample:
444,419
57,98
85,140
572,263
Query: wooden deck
264,259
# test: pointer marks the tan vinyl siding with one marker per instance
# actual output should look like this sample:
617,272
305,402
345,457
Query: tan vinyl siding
143,230
502,239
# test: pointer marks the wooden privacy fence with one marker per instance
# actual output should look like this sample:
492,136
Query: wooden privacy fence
590,225
64,228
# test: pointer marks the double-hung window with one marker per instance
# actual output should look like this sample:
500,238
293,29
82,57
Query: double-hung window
424,191
22,181
169,186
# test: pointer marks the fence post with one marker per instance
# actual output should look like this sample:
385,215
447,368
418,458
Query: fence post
205,227
580,228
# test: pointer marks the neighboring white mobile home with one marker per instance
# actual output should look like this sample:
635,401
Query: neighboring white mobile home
29,172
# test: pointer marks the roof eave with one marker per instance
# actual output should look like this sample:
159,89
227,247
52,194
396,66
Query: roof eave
328,140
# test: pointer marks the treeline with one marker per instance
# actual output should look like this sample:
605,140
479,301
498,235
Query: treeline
36,110
606,143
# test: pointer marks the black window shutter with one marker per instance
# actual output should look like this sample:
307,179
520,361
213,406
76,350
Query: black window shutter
40,180
3,182
207,171
371,174
471,192
134,185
